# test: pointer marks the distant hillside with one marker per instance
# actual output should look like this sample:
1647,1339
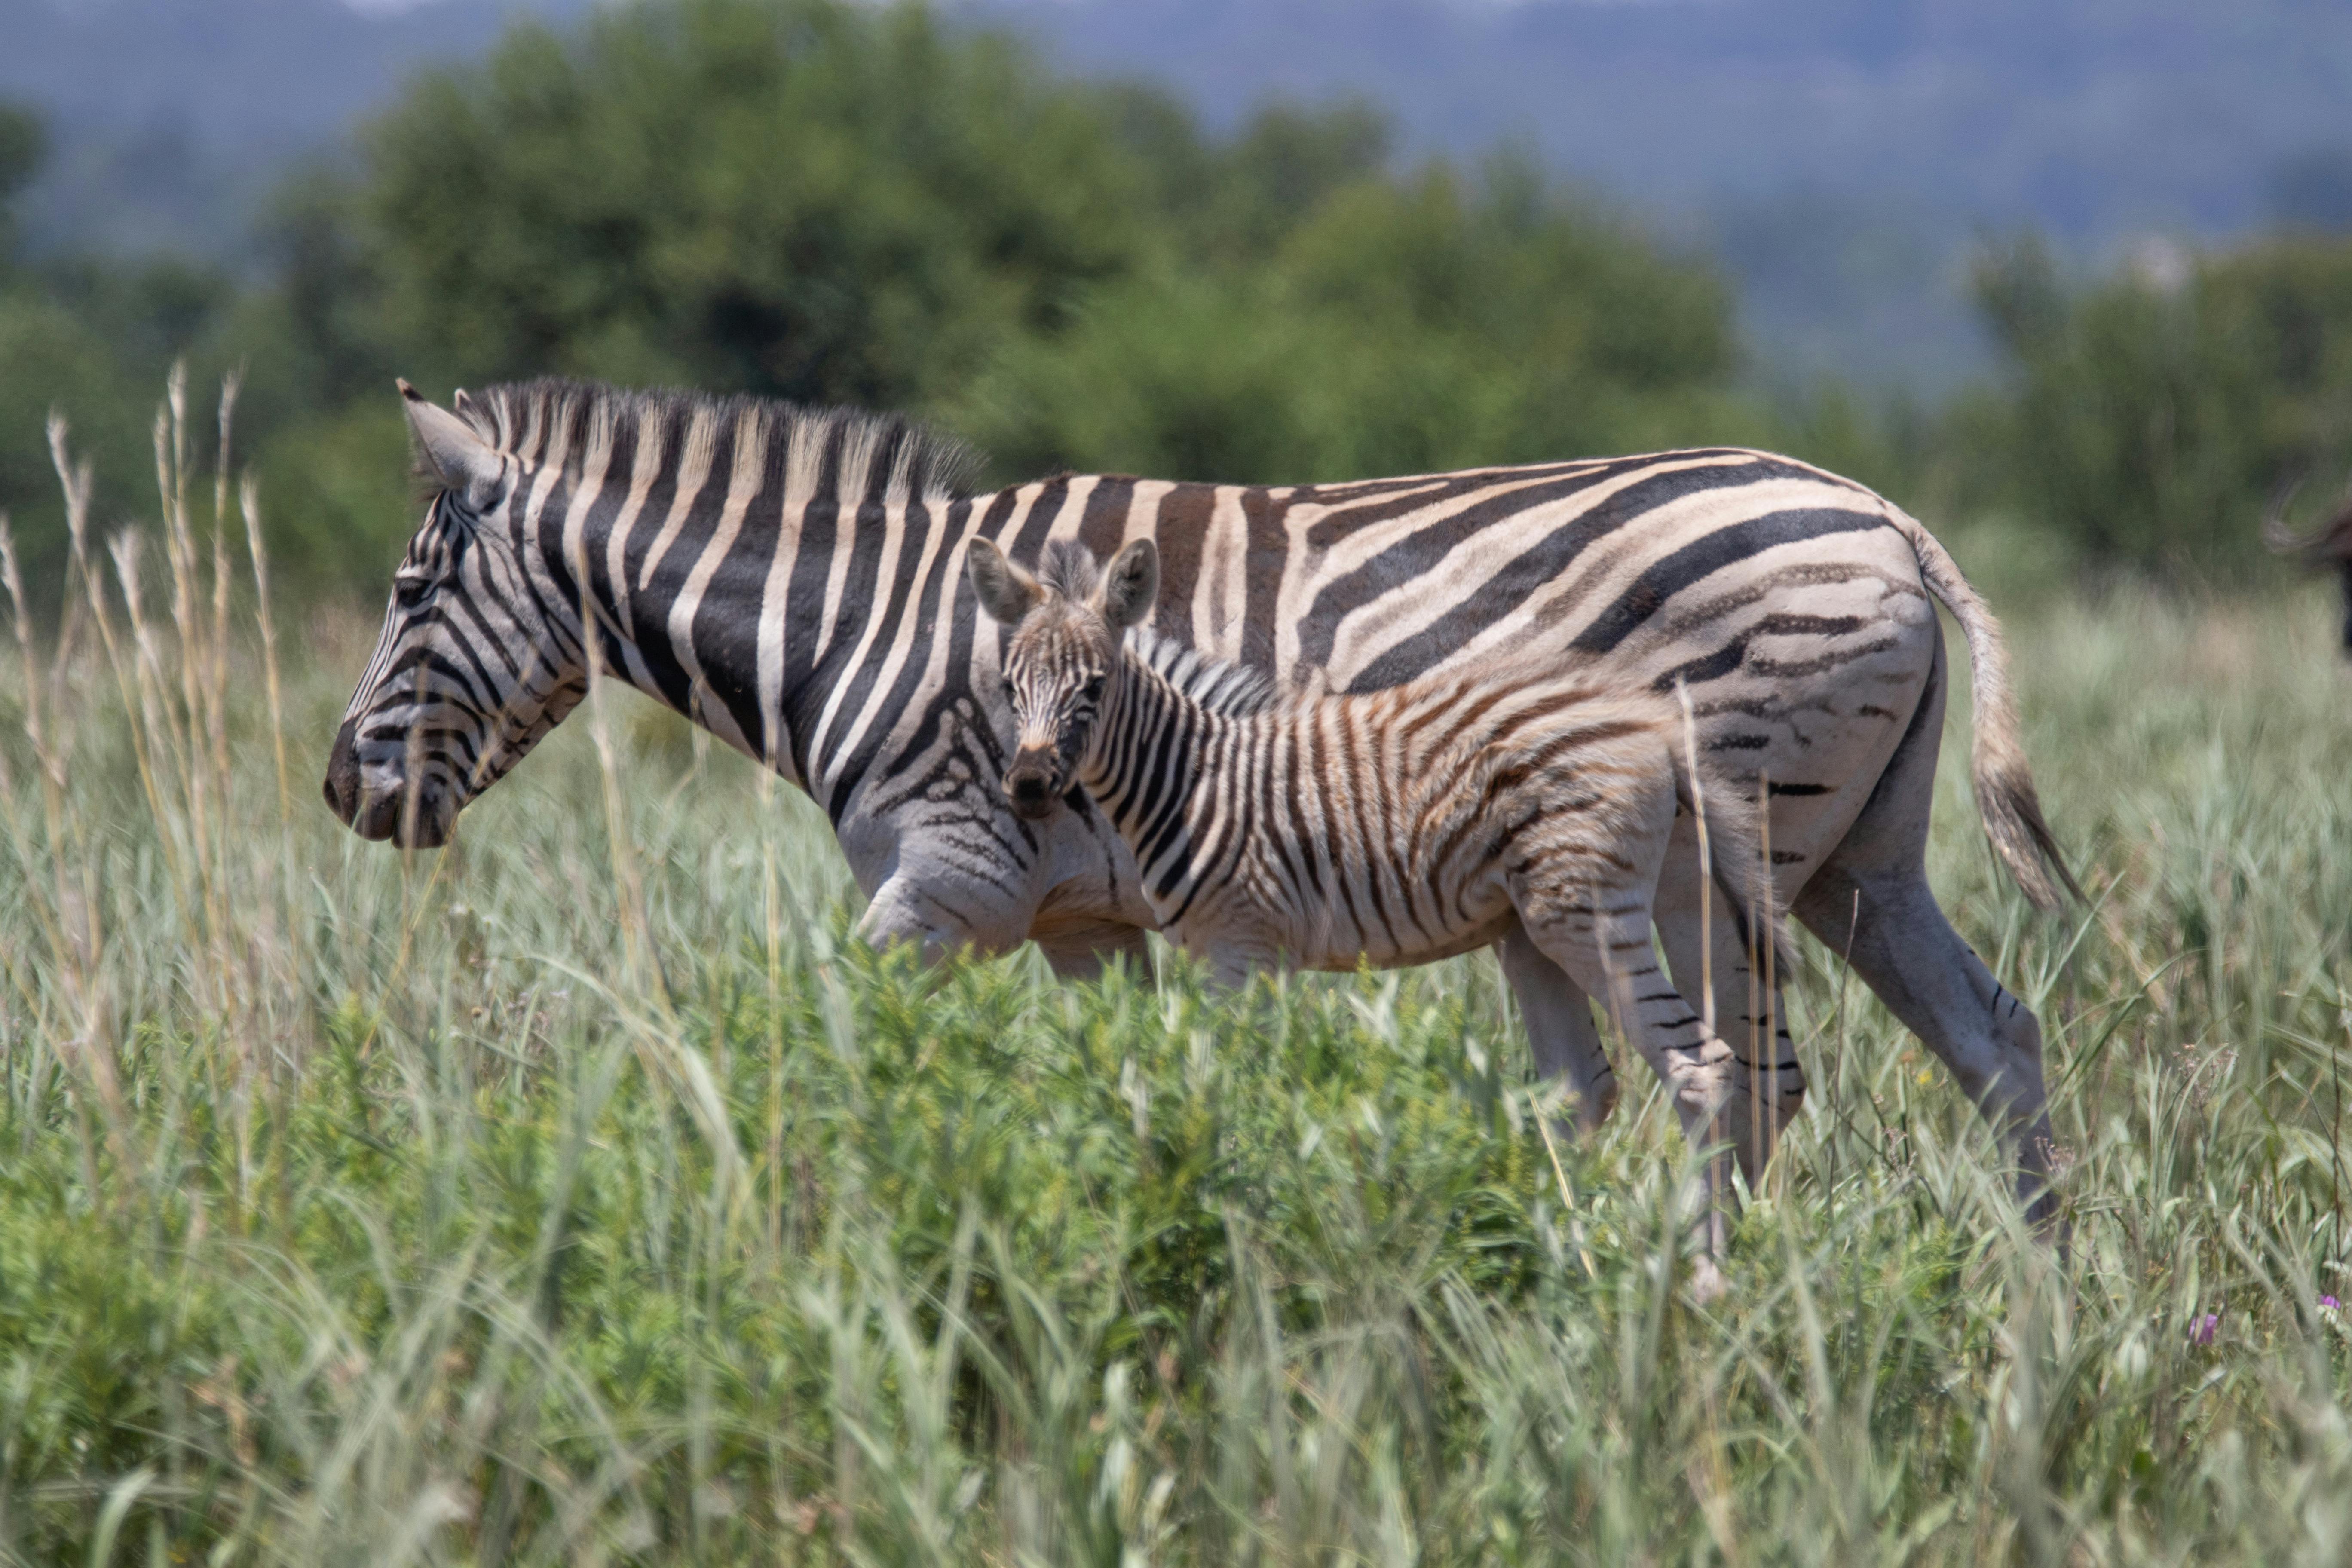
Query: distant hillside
1841,155
2089,116
170,118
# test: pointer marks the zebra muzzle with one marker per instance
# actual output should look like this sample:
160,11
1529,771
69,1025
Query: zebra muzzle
413,816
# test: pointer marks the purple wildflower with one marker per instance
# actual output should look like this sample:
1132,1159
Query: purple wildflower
2202,1334
2329,1304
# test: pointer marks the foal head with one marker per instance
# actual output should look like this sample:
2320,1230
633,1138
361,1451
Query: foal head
1061,654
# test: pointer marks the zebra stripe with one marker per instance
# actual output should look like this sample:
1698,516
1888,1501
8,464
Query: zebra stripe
791,579
1395,827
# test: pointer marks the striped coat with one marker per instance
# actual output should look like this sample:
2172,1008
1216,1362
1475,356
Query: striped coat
792,580
1322,831
1388,827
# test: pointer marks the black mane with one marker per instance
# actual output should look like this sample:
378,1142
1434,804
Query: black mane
880,457
1232,690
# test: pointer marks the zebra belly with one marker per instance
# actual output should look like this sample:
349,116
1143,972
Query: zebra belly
1305,947
1453,946
1267,916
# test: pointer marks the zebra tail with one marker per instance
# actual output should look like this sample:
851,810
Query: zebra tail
2006,799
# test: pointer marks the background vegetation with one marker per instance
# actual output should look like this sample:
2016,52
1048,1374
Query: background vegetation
843,202
575,1194
580,1194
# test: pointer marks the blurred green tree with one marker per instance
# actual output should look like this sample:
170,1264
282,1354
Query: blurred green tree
89,341
2151,417
23,141
837,203
803,198
1381,325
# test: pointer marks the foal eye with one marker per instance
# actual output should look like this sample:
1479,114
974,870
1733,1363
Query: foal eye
1093,688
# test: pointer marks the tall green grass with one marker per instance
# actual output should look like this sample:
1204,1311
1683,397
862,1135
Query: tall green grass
583,1193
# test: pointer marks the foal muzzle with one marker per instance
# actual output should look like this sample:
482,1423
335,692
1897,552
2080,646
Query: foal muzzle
1035,780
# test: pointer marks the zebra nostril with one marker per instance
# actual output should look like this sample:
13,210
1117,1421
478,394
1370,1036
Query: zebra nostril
1031,790
342,785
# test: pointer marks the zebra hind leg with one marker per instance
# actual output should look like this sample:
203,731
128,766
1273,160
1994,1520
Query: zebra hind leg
1870,902
1895,936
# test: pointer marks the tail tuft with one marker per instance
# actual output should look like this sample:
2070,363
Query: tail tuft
2019,834
2006,800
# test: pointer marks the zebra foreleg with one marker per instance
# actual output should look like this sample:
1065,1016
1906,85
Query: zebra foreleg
907,909
1234,962
1561,1033
1083,953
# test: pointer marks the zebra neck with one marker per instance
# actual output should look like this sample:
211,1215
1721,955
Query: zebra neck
1145,768
748,616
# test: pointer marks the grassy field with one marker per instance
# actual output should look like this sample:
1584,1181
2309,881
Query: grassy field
581,1193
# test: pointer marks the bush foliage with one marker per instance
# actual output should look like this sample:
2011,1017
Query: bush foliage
830,205
580,1192
2151,418
831,201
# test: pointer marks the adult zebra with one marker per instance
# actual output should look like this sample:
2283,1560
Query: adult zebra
2328,545
789,579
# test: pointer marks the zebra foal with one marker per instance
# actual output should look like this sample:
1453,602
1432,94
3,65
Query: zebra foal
1396,826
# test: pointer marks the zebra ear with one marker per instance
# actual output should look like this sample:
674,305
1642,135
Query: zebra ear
1007,591
1128,589
456,457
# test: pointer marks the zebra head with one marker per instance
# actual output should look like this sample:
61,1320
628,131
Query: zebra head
468,674
1063,653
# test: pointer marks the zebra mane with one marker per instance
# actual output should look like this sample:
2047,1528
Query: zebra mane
1231,690
882,458
1070,569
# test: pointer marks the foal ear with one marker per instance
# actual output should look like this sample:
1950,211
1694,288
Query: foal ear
1130,586
1006,592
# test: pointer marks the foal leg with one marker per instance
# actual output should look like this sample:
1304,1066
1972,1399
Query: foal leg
1560,1035
1604,941
1750,1015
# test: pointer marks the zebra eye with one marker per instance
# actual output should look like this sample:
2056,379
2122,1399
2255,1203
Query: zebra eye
1093,690
1010,693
